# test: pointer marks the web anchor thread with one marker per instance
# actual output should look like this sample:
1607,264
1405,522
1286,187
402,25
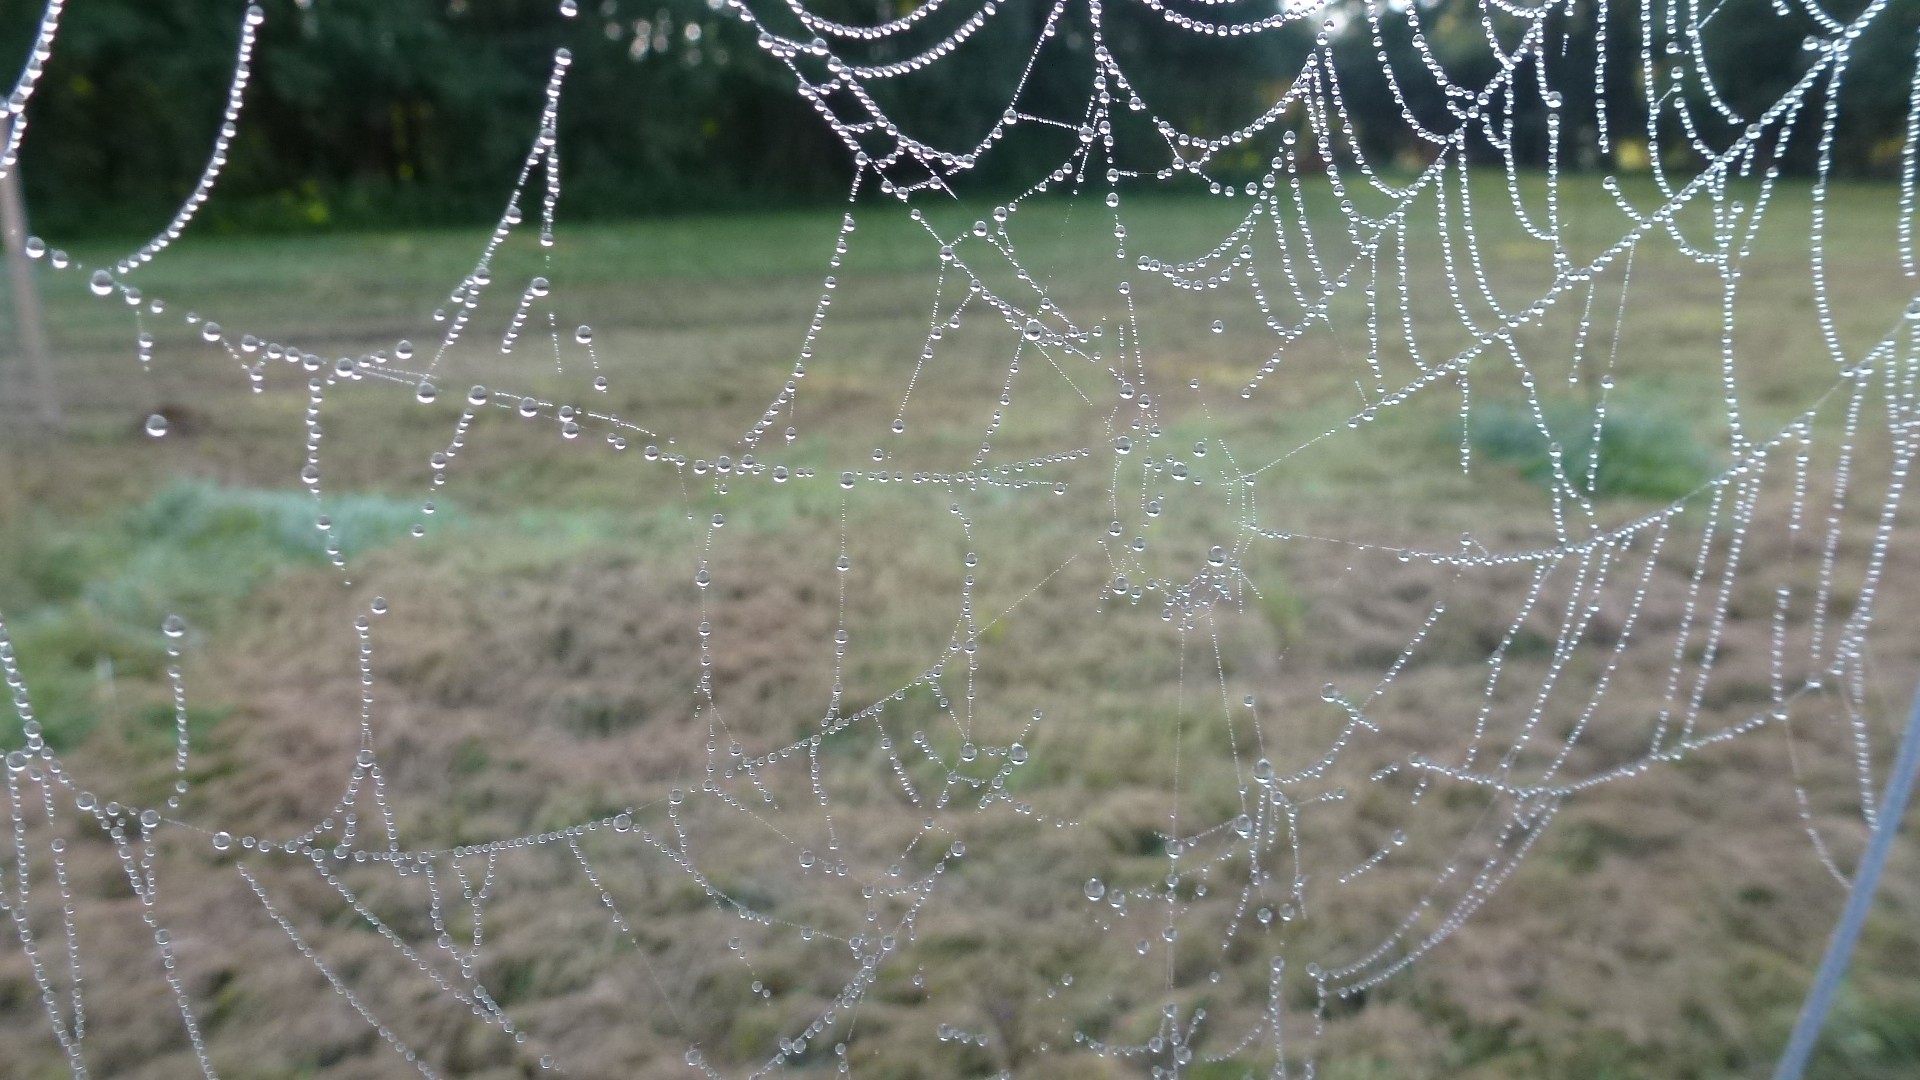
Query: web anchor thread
1866,881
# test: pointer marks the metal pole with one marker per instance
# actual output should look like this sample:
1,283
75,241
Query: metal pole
29,323
1846,933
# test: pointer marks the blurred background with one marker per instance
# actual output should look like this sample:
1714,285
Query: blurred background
928,704
407,113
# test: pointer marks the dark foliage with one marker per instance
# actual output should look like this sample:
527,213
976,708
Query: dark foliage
409,112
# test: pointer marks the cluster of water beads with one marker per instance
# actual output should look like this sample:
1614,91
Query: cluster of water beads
216,160
1307,281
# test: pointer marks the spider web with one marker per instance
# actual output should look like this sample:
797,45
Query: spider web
1180,469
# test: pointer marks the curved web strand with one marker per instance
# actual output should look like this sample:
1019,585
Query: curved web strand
1371,454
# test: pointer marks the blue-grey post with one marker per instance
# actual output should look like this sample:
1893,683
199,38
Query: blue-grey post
1846,933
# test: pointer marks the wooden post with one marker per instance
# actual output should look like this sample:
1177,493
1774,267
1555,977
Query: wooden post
29,323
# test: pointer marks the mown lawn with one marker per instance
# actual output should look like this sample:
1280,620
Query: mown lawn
545,648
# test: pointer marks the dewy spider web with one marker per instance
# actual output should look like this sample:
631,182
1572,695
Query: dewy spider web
1340,311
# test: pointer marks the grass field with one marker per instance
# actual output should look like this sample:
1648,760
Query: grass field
540,664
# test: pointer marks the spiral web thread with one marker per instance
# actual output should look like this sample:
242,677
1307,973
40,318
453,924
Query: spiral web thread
1642,595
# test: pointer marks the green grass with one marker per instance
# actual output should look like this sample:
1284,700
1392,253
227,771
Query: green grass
1875,1038
1645,451
539,663
85,600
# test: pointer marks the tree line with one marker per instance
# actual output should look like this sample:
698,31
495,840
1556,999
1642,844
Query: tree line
373,113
